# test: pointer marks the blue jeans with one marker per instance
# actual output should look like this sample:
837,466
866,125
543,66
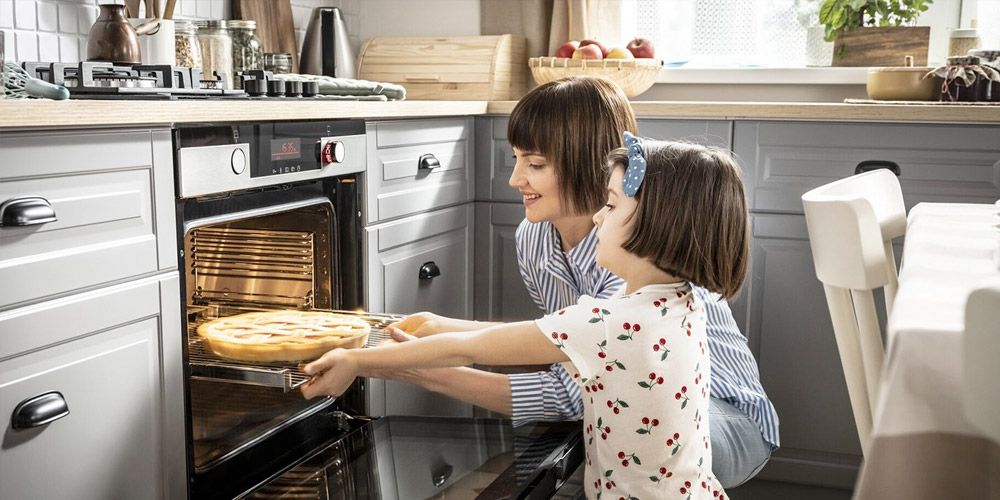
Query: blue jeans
739,451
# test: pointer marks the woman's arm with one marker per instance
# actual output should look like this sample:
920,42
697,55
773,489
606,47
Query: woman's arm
508,344
422,324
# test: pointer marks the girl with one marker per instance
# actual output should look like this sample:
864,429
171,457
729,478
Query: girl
641,358
560,133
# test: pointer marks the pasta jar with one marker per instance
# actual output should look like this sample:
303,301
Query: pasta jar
247,51
187,49
278,63
216,50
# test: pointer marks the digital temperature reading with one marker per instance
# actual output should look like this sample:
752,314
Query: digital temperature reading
286,149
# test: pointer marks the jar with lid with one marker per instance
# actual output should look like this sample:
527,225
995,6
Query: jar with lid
278,63
962,41
247,51
216,50
187,49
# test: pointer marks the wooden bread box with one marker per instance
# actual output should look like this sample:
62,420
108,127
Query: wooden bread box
477,68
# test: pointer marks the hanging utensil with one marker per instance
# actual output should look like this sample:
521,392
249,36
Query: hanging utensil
132,8
168,11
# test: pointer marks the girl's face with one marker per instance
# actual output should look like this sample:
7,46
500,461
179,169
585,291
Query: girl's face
536,179
614,225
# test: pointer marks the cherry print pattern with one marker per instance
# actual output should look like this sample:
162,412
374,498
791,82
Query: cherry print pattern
653,381
647,425
661,305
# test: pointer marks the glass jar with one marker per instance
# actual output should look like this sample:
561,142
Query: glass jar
216,51
187,49
962,41
278,63
247,51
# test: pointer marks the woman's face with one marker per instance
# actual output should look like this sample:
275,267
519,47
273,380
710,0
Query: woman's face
535,178
614,224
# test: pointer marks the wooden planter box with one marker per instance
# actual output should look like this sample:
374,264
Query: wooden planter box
476,68
882,46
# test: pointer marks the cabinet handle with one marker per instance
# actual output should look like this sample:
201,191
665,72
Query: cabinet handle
440,475
39,410
428,162
869,165
26,211
429,271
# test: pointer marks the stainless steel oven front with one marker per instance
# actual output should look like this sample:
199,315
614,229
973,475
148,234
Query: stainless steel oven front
268,217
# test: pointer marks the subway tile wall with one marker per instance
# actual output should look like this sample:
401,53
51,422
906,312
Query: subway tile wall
56,30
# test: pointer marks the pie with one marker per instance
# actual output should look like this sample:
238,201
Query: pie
282,335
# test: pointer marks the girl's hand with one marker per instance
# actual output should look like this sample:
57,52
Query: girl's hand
331,374
420,324
405,375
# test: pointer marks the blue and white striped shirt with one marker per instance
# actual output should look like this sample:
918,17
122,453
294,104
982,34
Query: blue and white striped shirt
556,279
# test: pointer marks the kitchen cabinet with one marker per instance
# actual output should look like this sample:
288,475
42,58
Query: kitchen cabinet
90,317
499,290
718,133
784,308
420,263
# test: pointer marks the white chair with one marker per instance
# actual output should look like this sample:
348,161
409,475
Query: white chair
981,365
851,224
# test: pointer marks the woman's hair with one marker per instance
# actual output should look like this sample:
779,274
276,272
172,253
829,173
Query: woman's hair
691,219
573,122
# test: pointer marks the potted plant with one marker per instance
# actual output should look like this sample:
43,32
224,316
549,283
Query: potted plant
875,32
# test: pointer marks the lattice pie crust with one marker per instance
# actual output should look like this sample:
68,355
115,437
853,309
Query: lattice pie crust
282,335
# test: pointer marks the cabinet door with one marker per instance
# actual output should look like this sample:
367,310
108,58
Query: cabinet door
108,445
494,160
705,132
792,338
500,293
421,263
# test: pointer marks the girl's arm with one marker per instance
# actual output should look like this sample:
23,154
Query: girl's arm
509,344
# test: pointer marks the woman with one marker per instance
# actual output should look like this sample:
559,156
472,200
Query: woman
560,133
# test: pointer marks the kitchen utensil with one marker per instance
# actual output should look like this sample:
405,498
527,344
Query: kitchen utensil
112,38
326,49
902,83
18,84
634,76
168,11
156,40
275,27
132,8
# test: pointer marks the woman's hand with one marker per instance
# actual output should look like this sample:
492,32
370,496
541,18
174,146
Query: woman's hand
331,374
420,324
404,375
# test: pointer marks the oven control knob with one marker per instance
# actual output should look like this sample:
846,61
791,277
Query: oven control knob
238,161
331,152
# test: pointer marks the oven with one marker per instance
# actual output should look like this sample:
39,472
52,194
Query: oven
270,217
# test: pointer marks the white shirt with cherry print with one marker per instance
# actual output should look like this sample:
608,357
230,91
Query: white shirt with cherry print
642,360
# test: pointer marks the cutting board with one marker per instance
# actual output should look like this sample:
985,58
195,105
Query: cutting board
275,26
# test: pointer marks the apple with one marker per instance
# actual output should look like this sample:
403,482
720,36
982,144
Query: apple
619,53
567,49
588,52
604,50
641,48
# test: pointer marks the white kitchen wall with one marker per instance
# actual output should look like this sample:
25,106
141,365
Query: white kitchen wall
56,30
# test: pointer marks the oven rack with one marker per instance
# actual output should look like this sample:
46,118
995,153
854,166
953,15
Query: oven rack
287,376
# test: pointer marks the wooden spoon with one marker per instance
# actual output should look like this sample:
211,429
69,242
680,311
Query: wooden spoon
168,12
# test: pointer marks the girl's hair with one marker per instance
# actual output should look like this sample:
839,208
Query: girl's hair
573,122
691,219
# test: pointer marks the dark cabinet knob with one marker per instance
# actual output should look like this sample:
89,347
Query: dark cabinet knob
428,162
39,410
869,165
26,211
429,270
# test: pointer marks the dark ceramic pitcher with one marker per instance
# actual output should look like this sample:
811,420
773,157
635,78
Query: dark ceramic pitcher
112,38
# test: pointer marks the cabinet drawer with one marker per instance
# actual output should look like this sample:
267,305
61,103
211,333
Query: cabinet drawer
58,153
104,232
399,181
937,163
108,445
437,245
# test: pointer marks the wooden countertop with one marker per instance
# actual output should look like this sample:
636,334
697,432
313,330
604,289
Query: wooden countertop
83,113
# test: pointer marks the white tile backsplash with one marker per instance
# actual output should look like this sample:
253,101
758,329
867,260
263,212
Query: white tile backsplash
56,30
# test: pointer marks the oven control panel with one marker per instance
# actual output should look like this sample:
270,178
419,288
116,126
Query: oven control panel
215,159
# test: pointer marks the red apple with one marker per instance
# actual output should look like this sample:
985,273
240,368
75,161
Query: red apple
566,49
642,48
588,52
604,50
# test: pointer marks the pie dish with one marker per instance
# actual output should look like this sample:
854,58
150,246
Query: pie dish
282,335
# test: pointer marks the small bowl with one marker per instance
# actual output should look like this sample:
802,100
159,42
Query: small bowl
905,83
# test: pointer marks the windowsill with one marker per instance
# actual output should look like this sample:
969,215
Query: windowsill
753,76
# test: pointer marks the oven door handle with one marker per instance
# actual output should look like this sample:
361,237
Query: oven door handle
39,410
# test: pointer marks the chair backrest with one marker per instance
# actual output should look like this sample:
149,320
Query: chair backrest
851,224
981,363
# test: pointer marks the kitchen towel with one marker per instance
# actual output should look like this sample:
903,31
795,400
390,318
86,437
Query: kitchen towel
331,86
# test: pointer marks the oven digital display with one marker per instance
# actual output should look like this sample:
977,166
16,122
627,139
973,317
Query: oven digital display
286,149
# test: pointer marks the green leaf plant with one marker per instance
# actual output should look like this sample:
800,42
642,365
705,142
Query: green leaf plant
849,15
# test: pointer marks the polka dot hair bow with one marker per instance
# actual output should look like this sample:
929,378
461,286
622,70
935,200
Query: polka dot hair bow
636,170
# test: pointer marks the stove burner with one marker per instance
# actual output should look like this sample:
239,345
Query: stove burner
104,80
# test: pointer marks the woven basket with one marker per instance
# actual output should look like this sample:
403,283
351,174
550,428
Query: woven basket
634,76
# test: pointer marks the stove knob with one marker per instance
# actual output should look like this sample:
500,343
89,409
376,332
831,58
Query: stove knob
238,161
293,89
331,152
275,88
255,88
310,89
